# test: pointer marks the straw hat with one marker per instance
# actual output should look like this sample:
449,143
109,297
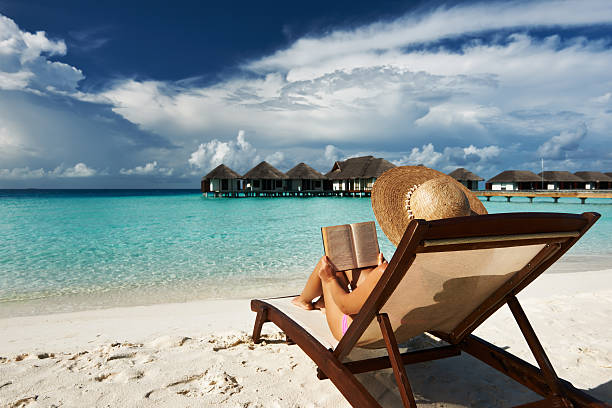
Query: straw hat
403,193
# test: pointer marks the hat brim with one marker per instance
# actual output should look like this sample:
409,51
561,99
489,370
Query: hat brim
389,197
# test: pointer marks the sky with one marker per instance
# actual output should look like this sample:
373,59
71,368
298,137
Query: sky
155,94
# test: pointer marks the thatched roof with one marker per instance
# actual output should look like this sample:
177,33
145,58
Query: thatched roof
304,172
515,176
462,174
222,172
560,176
609,174
359,167
264,170
594,176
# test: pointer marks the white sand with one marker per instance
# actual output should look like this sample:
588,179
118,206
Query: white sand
199,354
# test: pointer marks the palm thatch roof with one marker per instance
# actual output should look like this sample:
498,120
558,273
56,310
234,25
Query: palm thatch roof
222,172
359,167
462,174
304,172
594,176
560,176
515,176
609,173
264,170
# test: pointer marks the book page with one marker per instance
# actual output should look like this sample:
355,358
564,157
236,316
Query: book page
366,244
338,244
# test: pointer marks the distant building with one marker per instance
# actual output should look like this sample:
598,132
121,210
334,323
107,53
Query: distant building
265,178
221,179
560,180
303,178
595,180
357,174
466,177
514,180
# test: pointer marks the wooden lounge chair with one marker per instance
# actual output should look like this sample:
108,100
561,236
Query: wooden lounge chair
445,278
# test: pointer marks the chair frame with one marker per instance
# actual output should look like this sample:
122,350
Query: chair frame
552,229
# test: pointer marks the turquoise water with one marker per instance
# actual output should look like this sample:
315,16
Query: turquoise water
72,250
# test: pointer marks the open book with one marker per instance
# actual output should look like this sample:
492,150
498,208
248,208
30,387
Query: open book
351,246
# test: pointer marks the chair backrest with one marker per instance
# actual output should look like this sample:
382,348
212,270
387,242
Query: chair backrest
448,276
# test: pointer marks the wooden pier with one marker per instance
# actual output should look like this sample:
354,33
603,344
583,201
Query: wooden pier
322,193
554,194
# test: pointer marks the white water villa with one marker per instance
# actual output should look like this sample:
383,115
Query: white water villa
355,177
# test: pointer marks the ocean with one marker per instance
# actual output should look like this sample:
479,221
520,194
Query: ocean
68,250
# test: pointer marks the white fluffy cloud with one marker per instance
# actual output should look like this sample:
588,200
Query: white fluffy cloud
277,159
557,147
426,156
392,86
332,154
451,157
147,170
24,63
24,173
79,170
353,46
21,173
239,155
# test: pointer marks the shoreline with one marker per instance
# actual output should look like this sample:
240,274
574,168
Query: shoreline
176,351
213,290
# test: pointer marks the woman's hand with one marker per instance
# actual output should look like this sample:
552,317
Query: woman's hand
382,263
327,271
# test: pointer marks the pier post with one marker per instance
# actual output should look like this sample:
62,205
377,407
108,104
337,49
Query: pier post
556,199
582,200
488,198
508,198
530,199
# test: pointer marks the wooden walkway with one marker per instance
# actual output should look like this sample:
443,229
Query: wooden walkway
325,193
554,194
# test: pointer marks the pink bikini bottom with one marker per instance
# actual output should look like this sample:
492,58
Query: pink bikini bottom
345,324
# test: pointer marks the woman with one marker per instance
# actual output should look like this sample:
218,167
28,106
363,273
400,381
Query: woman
327,283
398,196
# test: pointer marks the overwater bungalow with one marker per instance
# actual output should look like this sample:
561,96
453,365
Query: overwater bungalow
466,177
595,180
265,179
357,175
222,181
304,180
514,180
560,180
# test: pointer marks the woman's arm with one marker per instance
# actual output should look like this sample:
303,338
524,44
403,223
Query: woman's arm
350,303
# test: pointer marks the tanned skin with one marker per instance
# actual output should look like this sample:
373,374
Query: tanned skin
332,289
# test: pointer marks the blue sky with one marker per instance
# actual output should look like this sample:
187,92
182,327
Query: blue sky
156,94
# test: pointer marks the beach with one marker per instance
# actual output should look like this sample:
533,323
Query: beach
135,298
200,353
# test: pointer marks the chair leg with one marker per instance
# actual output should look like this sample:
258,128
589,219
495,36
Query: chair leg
396,361
538,352
262,317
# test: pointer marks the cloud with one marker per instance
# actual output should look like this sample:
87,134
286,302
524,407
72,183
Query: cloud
147,169
239,155
79,170
451,157
332,154
485,91
277,159
557,147
426,156
22,173
443,23
24,62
